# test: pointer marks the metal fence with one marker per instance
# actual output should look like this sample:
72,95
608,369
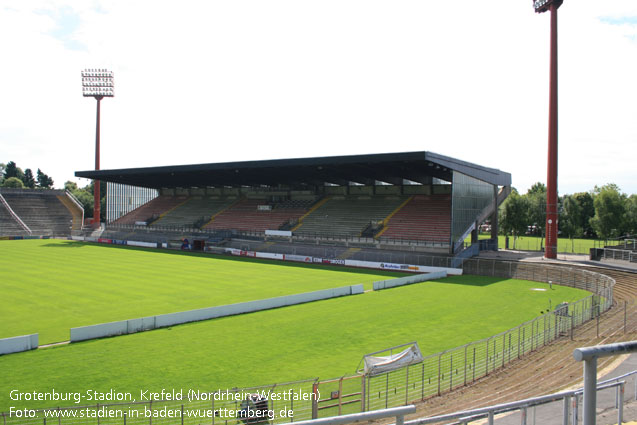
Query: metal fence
436,374
619,255
628,242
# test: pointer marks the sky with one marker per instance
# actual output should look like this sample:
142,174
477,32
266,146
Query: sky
218,81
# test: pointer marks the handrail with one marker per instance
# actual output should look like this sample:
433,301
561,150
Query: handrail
77,202
398,412
491,411
590,355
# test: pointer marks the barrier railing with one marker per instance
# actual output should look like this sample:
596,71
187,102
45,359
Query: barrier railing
589,356
489,412
619,254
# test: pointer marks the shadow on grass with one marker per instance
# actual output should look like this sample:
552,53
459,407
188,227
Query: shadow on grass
212,256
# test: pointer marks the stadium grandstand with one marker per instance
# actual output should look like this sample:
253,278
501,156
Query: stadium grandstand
36,212
413,201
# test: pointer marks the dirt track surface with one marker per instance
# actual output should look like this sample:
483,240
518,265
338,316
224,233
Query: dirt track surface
551,368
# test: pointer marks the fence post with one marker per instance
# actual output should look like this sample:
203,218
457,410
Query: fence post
625,309
387,390
544,334
314,401
439,359
487,360
566,411
508,361
519,330
465,364
620,408
422,386
362,393
407,387
474,368
340,395
451,372
503,347
598,326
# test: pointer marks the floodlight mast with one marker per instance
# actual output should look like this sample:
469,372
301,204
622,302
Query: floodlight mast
551,174
97,83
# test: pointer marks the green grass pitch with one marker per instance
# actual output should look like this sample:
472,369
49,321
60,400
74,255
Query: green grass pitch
55,285
322,339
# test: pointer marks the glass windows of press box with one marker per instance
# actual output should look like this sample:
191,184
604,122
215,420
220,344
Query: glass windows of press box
469,197
122,199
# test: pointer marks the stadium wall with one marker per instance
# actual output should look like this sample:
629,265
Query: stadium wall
18,343
123,327
409,268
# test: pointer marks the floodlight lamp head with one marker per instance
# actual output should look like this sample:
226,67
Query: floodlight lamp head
544,5
97,83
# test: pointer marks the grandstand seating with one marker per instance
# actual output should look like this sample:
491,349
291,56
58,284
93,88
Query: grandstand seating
8,225
348,215
244,215
425,217
151,210
41,211
193,210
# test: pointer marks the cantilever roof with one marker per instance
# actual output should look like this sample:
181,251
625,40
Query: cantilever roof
365,169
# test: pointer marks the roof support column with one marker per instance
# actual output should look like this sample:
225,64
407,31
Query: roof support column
494,219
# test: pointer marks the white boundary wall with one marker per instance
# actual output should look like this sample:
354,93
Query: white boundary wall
18,343
152,322
408,280
410,268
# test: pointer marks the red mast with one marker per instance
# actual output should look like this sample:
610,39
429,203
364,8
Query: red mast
551,174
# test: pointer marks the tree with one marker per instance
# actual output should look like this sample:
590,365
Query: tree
70,186
13,182
513,215
537,188
44,181
28,179
12,170
587,211
89,207
2,168
536,198
86,199
570,218
631,215
609,211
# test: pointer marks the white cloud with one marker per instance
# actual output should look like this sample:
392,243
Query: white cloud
221,81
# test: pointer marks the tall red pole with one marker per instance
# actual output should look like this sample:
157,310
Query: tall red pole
551,177
96,184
